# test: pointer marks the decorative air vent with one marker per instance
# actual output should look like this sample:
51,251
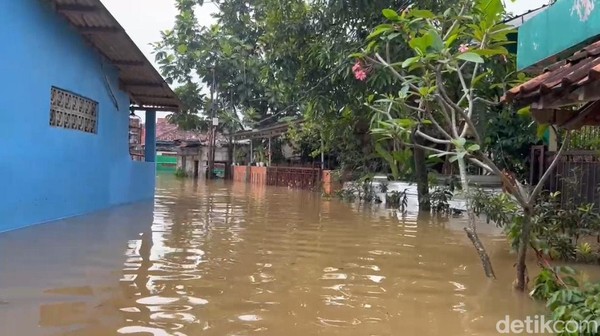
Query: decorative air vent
71,111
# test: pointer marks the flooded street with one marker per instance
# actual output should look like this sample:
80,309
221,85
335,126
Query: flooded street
236,259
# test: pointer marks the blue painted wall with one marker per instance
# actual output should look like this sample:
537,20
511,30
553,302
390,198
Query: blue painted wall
49,173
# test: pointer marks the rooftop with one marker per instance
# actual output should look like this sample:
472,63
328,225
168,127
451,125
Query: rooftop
167,132
146,87
560,80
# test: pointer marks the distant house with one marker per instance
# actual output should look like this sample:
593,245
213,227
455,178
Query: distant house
189,147
71,77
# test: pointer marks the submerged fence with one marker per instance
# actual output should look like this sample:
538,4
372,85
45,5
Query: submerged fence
292,177
576,176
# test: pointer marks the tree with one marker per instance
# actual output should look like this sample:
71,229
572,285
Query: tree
454,47
279,59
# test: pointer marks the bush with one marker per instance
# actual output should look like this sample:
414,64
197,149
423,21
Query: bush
557,227
440,199
397,200
567,300
180,173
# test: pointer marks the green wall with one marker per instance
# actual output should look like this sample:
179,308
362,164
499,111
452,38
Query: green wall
166,163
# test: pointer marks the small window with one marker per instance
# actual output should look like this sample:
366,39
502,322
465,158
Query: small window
71,111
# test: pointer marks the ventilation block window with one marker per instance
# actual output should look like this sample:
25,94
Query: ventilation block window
71,111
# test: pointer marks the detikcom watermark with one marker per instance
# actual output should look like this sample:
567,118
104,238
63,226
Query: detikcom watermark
540,324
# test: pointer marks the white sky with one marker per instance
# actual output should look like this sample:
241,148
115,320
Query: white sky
143,20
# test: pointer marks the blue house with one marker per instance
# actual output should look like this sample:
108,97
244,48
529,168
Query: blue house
71,77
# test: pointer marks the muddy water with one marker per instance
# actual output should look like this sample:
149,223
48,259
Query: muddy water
224,259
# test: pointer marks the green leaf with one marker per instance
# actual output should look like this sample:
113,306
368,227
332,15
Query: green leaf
409,61
525,111
453,158
470,57
438,44
473,148
559,312
182,48
371,46
393,36
422,43
459,143
380,30
404,123
384,154
390,14
404,91
451,40
491,52
478,79
421,13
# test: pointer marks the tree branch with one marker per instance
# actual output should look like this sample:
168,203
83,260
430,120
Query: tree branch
485,101
432,149
546,176
455,23
432,139
445,107
516,190
436,124
396,73
481,164
455,107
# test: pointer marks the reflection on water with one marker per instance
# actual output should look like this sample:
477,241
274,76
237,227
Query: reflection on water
224,259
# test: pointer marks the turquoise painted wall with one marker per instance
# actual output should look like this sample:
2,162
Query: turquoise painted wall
50,173
563,26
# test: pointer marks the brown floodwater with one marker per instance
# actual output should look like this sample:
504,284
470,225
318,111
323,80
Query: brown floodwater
236,259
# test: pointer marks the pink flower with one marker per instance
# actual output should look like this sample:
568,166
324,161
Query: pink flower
463,48
359,72
361,75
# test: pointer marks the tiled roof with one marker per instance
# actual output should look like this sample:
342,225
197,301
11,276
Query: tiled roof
167,132
560,78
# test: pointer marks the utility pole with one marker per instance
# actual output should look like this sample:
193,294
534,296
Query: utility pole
211,133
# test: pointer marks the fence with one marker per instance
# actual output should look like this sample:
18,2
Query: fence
301,178
576,176
293,177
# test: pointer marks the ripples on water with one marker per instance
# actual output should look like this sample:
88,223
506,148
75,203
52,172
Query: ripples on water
224,259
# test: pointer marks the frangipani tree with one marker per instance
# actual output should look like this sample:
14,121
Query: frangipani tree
436,108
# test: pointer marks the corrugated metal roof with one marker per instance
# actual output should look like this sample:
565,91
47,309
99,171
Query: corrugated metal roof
518,20
146,87
560,78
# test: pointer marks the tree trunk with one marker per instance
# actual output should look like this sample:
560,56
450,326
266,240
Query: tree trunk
421,178
471,228
522,278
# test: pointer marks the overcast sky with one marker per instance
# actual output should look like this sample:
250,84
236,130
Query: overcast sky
145,19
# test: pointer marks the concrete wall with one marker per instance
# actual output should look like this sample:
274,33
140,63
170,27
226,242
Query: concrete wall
187,163
187,156
48,172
